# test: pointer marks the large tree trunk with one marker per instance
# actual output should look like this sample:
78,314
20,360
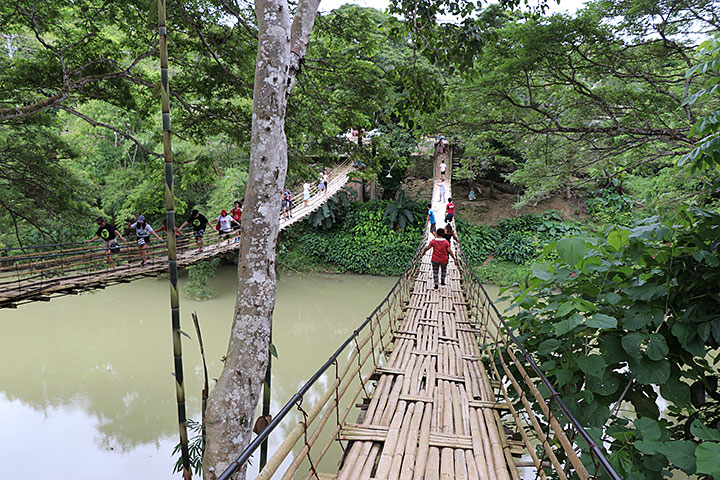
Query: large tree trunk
232,402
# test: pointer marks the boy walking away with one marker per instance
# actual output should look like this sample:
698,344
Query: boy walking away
431,219
108,233
449,211
225,223
441,189
443,169
441,252
198,222
143,231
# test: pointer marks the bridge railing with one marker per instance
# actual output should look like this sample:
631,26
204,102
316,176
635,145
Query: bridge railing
348,372
546,425
35,267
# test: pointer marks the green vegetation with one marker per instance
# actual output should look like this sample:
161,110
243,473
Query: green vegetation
198,276
631,315
498,272
360,242
510,246
95,147
615,108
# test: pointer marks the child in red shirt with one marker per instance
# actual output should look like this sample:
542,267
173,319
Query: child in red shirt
441,252
449,211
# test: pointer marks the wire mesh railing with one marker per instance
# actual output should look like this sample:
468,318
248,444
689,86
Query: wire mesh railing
544,425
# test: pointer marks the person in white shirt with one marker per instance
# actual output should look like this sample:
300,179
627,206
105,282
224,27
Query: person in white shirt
306,193
225,224
441,190
143,231
443,169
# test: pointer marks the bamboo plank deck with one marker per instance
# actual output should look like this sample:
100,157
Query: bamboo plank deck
433,414
78,281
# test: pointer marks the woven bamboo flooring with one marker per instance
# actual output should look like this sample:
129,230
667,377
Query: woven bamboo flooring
433,414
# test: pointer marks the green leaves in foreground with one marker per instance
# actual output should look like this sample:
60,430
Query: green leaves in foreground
628,316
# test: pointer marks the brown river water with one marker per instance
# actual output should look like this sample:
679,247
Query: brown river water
86,390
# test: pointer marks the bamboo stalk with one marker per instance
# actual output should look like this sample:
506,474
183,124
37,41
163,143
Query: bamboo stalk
172,253
447,464
401,444
423,443
432,468
461,470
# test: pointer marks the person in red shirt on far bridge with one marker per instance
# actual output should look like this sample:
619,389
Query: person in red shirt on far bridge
236,213
449,211
441,252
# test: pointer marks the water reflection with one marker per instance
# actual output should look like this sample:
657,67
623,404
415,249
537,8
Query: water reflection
86,389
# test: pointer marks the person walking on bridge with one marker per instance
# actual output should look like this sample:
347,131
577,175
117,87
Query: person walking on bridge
306,193
225,224
440,256
236,213
198,221
287,205
108,233
449,211
441,190
449,233
431,219
143,231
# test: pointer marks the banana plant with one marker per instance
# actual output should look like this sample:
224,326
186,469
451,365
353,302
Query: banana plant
400,212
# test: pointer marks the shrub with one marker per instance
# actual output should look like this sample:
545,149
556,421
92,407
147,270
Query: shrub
361,242
516,247
478,241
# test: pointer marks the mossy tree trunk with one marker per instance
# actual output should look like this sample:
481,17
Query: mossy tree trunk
232,402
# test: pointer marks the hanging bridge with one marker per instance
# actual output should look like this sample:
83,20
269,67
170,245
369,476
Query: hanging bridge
432,385
40,272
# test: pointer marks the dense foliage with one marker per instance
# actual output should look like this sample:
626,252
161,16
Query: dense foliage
86,141
632,315
565,103
361,242
516,240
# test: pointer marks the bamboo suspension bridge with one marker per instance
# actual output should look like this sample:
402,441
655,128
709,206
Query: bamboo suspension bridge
39,273
432,385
